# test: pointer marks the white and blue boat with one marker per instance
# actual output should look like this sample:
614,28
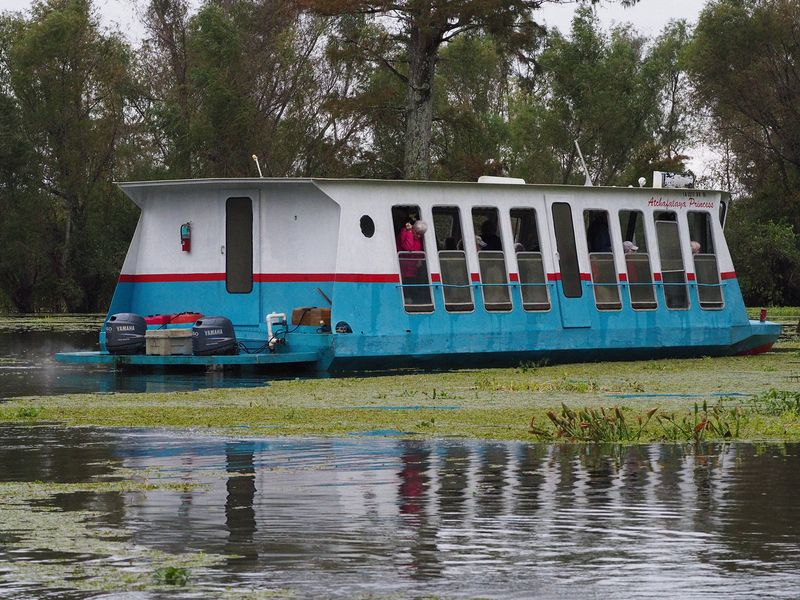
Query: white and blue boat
309,271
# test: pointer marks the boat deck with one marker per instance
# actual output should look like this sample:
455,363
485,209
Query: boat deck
119,360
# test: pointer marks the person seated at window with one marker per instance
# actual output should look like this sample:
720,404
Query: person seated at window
597,234
489,236
629,247
695,247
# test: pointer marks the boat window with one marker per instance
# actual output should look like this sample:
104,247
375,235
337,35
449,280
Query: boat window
709,289
532,278
410,243
491,260
673,274
567,252
239,245
637,260
723,212
601,260
367,226
456,285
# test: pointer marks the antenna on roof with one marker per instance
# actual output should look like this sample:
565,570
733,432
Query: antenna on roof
588,181
258,166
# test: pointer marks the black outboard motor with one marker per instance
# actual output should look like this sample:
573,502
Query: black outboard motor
125,334
214,335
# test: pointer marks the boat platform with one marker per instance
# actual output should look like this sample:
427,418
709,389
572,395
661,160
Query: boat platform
152,360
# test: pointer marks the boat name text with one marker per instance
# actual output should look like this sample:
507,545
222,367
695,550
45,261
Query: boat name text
690,203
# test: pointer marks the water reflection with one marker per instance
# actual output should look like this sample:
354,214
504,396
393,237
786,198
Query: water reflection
28,368
400,518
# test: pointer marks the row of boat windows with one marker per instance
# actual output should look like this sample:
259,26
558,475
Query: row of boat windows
525,244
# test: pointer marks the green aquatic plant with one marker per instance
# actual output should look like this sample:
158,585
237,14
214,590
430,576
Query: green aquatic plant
178,576
29,412
778,402
593,425
717,422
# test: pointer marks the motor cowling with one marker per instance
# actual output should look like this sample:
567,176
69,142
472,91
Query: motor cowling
214,335
125,334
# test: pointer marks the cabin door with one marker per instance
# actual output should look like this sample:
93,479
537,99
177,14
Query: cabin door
569,287
241,257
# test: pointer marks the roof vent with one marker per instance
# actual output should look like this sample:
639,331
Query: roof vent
493,179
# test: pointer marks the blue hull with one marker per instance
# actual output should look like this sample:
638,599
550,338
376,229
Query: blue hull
384,336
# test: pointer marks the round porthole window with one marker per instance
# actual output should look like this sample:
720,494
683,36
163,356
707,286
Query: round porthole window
367,226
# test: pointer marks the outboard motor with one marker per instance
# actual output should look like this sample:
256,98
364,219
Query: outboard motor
125,334
214,335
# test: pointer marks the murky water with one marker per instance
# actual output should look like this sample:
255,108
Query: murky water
396,518
28,368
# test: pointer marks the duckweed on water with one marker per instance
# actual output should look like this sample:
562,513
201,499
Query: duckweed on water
82,555
488,404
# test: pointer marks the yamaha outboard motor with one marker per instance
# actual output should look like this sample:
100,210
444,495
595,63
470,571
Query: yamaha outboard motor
125,334
214,335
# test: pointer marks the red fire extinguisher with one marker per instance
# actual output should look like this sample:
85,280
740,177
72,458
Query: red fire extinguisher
186,237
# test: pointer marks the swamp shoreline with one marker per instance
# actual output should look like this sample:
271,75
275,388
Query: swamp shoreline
743,397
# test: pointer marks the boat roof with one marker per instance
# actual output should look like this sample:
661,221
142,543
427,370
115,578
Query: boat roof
137,189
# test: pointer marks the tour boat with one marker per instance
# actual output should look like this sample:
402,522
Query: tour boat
314,272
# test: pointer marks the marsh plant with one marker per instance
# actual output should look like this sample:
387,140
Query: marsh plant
178,576
717,422
593,425
610,425
777,402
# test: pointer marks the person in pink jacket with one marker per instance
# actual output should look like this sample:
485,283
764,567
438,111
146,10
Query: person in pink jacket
410,239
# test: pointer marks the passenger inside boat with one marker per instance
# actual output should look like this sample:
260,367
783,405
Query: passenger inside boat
597,232
452,259
410,243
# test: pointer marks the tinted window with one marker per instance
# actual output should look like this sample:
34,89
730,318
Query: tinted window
239,245
567,252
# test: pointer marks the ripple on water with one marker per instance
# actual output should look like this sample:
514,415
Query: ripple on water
379,517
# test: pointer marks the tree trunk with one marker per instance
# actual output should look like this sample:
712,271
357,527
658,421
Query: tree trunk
423,48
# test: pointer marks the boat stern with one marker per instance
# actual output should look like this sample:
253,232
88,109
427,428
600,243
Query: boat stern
763,334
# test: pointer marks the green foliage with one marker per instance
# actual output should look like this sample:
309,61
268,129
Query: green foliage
778,402
178,576
610,93
66,90
766,254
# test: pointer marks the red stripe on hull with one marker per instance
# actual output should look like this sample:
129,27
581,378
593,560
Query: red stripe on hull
728,275
757,350
170,277
263,277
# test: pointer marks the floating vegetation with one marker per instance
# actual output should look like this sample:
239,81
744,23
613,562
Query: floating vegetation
778,402
73,551
172,575
51,322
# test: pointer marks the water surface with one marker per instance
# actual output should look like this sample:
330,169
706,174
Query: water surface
399,518
28,366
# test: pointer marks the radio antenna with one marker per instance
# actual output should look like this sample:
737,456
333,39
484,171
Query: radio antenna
588,181
258,166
